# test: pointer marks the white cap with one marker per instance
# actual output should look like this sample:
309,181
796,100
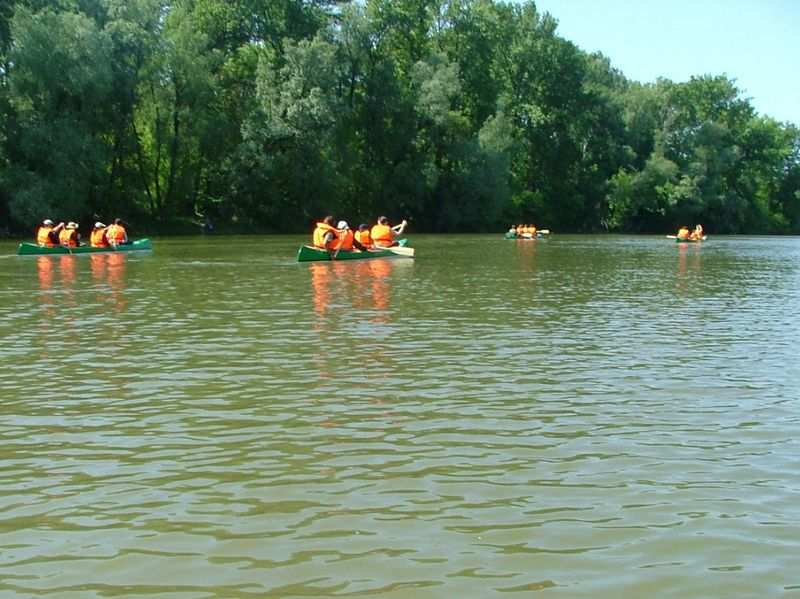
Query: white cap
342,225
71,225
98,225
47,221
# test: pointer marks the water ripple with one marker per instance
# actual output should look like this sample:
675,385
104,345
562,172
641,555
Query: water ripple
586,416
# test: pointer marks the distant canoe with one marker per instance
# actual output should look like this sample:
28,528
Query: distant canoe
687,239
309,253
31,249
527,236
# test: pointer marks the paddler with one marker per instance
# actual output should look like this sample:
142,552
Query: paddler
346,239
697,234
116,233
97,238
683,232
363,237
325,234
47,234
384,235
69,236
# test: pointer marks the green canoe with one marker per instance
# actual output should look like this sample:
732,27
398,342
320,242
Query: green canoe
31,249
309,253
687,240
523,237
539,234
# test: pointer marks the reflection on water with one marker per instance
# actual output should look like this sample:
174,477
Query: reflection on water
363,284
689,265
491,419
108,274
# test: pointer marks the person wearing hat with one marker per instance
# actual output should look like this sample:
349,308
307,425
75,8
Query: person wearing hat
384,235
97,238
47,234
116,233
69,236
346,239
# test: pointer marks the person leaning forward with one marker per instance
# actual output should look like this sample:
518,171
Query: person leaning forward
325,234
384,235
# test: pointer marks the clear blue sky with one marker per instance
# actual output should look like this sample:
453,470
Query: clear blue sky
755,42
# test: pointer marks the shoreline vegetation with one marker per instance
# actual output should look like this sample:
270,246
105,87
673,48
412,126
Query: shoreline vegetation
263,115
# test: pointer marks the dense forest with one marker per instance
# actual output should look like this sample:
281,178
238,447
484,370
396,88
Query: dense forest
461,115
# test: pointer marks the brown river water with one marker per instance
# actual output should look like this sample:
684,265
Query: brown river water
578,416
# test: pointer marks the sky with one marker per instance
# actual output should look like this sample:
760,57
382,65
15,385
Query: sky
754,42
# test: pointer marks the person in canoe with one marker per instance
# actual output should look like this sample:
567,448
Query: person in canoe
697,234
325,234
47,233
384,235
346,239
98,238
116,233
363,236
69,236
683,233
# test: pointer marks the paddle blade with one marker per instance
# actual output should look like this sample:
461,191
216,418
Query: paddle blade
402,251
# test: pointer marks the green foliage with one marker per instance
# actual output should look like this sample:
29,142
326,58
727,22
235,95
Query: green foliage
461,114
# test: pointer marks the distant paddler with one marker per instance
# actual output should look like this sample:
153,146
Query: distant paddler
384,235
363,236
97,238
346,239
697,234
325,234
116,233
47,233
683,233
69,237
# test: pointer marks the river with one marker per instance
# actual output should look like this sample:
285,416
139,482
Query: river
579,416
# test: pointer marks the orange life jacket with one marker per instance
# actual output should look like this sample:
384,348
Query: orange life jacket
320,232
68,238
683,233
43,236
115,234
364,239
345,241
382,235
98,238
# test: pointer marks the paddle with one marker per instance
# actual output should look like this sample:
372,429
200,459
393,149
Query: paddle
401,251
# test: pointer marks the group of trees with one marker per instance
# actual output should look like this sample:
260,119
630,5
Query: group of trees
464,115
